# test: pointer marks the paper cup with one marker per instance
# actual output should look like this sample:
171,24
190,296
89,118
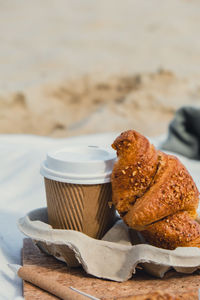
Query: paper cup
78,189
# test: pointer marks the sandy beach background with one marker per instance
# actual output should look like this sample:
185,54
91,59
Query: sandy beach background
71,67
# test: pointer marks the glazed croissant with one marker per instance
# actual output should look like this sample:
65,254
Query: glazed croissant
154,193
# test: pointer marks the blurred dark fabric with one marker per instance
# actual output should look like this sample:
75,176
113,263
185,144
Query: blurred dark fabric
184,133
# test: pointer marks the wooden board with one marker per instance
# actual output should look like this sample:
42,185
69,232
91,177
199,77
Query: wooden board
141,283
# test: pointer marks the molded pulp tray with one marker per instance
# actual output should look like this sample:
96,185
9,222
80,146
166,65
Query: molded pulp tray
114,257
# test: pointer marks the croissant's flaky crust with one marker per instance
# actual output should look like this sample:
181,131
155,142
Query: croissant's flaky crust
154,193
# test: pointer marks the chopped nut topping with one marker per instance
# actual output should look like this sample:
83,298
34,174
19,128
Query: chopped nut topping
110,204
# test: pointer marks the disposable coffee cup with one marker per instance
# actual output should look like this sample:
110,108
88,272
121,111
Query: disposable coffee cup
78,189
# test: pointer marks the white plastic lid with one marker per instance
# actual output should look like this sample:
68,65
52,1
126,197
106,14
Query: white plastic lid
79,164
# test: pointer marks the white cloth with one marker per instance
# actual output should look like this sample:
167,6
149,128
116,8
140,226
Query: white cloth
22,189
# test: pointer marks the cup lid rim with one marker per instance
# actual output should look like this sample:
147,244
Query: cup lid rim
60,167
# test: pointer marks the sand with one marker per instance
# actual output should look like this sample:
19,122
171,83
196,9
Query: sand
76,67
144,102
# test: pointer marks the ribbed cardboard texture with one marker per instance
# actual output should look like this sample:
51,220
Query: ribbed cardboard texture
83,208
